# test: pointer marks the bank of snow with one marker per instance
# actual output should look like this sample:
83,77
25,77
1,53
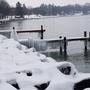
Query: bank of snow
25,69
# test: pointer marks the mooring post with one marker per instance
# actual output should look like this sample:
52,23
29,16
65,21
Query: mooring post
13,28
41,31
85,43
89,37
65,46
85,34
89,34
60,45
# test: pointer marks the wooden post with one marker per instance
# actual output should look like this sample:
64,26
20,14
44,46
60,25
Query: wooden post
60,45
65,46
89,37
85,44
13,28
41,31
89,34
85,34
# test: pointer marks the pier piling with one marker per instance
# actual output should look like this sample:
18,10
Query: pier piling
65,46
41,31
60,45
85,34
89,34
13,28
85,44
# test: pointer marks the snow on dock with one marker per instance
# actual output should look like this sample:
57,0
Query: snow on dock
51,44
42,44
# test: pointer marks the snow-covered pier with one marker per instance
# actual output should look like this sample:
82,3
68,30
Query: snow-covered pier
7,33
42,44
60,44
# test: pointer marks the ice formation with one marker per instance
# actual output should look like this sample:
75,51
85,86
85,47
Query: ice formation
25,69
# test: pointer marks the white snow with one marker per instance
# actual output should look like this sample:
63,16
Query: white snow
6,86
16,61
87,89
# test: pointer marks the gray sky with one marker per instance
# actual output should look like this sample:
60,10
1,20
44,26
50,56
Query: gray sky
35,3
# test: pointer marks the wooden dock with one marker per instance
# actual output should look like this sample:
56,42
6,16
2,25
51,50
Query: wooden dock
68,39
7,33
59,44
42,44
52,44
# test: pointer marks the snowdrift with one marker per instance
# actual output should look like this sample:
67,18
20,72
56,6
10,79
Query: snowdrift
25,69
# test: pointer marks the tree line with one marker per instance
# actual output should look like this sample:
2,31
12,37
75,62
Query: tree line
51,9
19,11
46,10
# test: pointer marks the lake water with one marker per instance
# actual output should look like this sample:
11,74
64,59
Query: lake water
71,26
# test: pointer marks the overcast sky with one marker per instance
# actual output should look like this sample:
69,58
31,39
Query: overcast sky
35,3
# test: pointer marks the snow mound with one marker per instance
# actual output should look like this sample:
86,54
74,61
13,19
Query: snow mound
25,69
87,89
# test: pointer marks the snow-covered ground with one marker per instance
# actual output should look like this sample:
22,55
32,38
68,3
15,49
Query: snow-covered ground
25,69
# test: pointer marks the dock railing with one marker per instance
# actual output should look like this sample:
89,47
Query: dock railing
7,33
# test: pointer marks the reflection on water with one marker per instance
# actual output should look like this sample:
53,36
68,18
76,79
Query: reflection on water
81,62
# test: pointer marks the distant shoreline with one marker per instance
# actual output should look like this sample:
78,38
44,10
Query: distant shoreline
31,17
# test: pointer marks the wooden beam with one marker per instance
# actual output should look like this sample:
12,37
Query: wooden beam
30,31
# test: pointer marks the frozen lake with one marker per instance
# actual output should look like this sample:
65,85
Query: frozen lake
73,26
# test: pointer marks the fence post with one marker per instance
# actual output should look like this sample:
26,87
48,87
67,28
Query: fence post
60,45
65,46
41,31
85,43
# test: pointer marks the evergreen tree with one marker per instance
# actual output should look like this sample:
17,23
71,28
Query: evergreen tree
4,8
19,10
25,10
